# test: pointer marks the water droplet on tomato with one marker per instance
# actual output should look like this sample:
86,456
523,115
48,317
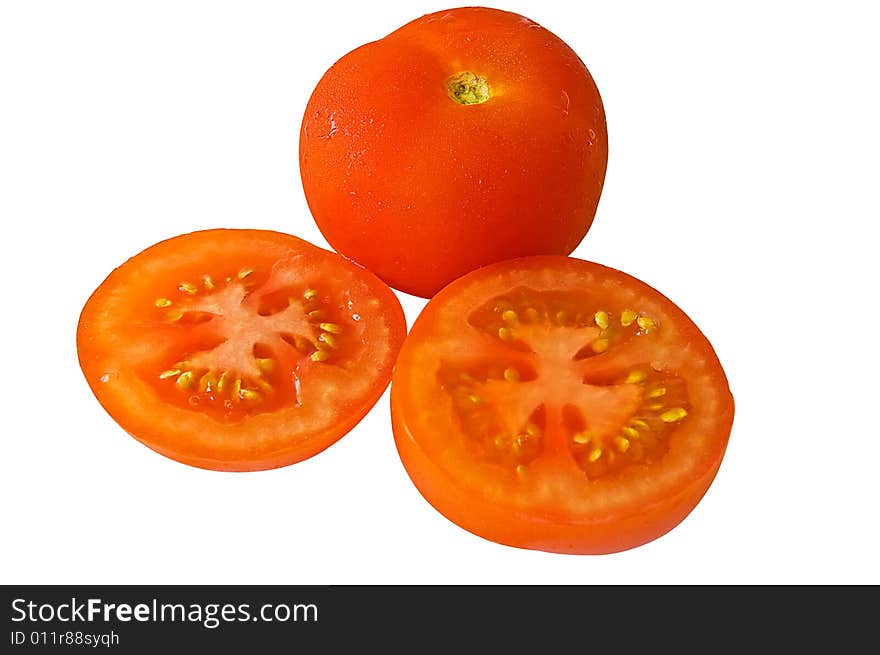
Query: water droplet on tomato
332,127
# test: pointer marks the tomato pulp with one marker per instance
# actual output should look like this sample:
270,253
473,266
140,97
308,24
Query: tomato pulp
239,349
556,404
465,137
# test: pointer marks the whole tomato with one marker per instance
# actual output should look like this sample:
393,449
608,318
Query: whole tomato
465,137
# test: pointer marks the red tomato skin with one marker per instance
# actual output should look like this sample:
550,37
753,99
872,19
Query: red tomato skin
421,189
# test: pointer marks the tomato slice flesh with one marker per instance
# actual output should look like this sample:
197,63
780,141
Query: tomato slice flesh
239,349
573,405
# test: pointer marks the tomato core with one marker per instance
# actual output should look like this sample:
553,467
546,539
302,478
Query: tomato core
248,360
603,417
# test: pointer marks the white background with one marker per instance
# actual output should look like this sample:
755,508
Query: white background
742,183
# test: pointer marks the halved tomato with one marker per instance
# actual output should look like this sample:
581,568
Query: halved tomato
239,349
557,404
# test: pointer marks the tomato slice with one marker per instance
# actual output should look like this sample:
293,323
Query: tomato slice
556,404
239,349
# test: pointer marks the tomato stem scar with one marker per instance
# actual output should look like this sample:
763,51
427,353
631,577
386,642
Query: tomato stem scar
466,88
